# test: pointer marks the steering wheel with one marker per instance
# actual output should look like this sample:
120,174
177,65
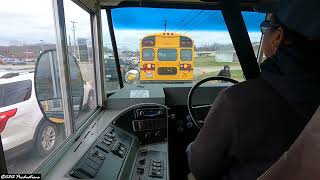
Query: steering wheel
191,108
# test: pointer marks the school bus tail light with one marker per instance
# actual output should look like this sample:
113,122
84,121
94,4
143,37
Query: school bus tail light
185,67
149,66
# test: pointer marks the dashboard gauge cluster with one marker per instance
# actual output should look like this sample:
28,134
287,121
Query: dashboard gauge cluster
150,124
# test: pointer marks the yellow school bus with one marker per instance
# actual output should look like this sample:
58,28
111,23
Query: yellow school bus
166,57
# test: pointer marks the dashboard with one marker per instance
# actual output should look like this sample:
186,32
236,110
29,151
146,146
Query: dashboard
129,140
133,146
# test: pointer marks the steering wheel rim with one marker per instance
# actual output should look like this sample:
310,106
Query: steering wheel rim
191,92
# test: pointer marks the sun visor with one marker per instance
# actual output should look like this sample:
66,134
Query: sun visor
266,6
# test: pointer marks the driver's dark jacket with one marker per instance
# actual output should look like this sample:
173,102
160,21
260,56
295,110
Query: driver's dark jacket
247,129
251,124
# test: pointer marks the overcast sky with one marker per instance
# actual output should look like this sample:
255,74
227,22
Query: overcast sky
29,21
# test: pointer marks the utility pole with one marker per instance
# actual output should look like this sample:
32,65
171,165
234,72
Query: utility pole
69,44
165,25
74,37
42,48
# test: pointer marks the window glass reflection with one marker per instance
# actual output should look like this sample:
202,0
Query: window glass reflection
28,135
80,48
111,78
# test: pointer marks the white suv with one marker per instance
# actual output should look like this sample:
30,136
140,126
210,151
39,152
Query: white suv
22,124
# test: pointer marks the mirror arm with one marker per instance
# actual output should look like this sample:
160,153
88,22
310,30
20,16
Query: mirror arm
114,46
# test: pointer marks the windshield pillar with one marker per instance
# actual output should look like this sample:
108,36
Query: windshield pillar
114,46
96,25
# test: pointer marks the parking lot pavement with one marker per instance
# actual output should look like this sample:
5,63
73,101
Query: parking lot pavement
24,164
28,162
10,67
200,70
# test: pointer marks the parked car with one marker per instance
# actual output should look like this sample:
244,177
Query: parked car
127,61
22,124
18,62
7,60
89,100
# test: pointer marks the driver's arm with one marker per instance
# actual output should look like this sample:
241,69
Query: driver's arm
211,151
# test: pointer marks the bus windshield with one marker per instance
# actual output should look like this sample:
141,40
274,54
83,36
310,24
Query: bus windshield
178,45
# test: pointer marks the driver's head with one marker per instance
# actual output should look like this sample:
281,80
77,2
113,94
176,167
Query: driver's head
273,36
295,21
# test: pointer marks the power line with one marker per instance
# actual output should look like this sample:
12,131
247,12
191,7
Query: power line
182,19
190,20
204,20
192,25
197,24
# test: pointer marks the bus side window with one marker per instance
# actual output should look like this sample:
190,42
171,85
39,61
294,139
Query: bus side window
80,47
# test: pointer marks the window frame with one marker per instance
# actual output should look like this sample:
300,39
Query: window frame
60,31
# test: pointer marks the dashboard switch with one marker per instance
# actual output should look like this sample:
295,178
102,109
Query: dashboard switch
110,134
156,161
140,170
142,161
141,113
107,142
147,135
143,152
92,164
103,146
122,148
97,154
156,168
87,170
157,134
111,129
119,149
108,139
158,174
156,164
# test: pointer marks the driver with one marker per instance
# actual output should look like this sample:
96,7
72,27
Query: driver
251,124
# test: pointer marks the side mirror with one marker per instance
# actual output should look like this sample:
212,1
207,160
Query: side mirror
132,76
48,89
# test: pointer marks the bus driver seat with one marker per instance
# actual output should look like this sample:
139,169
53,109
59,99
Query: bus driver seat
302,160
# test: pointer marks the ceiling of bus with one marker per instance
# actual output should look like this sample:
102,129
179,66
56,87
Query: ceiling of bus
260,4
117,2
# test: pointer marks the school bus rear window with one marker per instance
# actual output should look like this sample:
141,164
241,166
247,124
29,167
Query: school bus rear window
148,54
167,54
186,54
